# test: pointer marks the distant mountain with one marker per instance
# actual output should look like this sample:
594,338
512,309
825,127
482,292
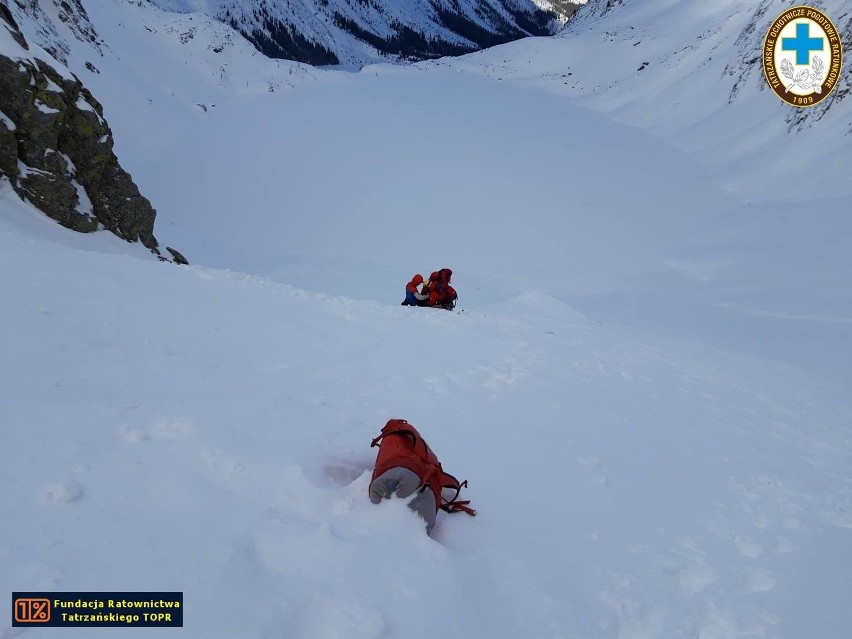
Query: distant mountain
701,38
357,31
691,73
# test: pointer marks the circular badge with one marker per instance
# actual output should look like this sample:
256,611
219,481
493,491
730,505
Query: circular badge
802,56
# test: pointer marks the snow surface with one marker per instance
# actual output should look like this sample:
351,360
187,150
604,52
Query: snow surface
647,390
41,106
208,431
85,203
52,86
7,122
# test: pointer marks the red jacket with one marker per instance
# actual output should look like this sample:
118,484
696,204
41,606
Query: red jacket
416,281
442,293
439,289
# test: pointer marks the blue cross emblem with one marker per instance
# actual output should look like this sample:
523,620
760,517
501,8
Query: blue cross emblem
802,44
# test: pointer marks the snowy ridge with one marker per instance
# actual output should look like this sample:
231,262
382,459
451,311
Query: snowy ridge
217,55
50,24
690,72
348,32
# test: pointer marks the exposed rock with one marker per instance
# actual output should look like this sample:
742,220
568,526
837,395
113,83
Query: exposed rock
72,13
8,146
9,23
69,12
54,196
57,150
176,256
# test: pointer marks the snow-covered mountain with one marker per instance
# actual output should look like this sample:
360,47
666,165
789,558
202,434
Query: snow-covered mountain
52,24
358,31
690,72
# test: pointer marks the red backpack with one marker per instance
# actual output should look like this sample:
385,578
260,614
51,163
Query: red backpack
401,445
439,289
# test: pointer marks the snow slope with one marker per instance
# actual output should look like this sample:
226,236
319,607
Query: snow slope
647,391
345,174
207,431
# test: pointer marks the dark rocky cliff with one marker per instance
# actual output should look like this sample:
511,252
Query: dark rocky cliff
56,148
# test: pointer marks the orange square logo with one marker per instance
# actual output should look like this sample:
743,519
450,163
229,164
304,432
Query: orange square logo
32,610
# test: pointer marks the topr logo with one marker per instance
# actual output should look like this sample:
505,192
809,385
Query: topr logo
802,56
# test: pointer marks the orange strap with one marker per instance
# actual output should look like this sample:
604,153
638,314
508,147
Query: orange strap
459,506
398,431
454,506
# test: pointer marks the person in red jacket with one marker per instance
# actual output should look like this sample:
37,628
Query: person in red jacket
441,293
413,296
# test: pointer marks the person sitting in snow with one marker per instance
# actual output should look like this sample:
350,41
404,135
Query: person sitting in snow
413,296
441,294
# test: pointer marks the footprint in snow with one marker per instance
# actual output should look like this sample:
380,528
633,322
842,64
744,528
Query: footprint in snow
343,472
168,429
757,580
694,581
37,577
65,492
748,547
330,619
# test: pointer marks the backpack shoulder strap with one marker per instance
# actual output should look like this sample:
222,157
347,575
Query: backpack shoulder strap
399,427
453,504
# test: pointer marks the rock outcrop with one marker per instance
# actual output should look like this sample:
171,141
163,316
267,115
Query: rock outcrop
56,148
